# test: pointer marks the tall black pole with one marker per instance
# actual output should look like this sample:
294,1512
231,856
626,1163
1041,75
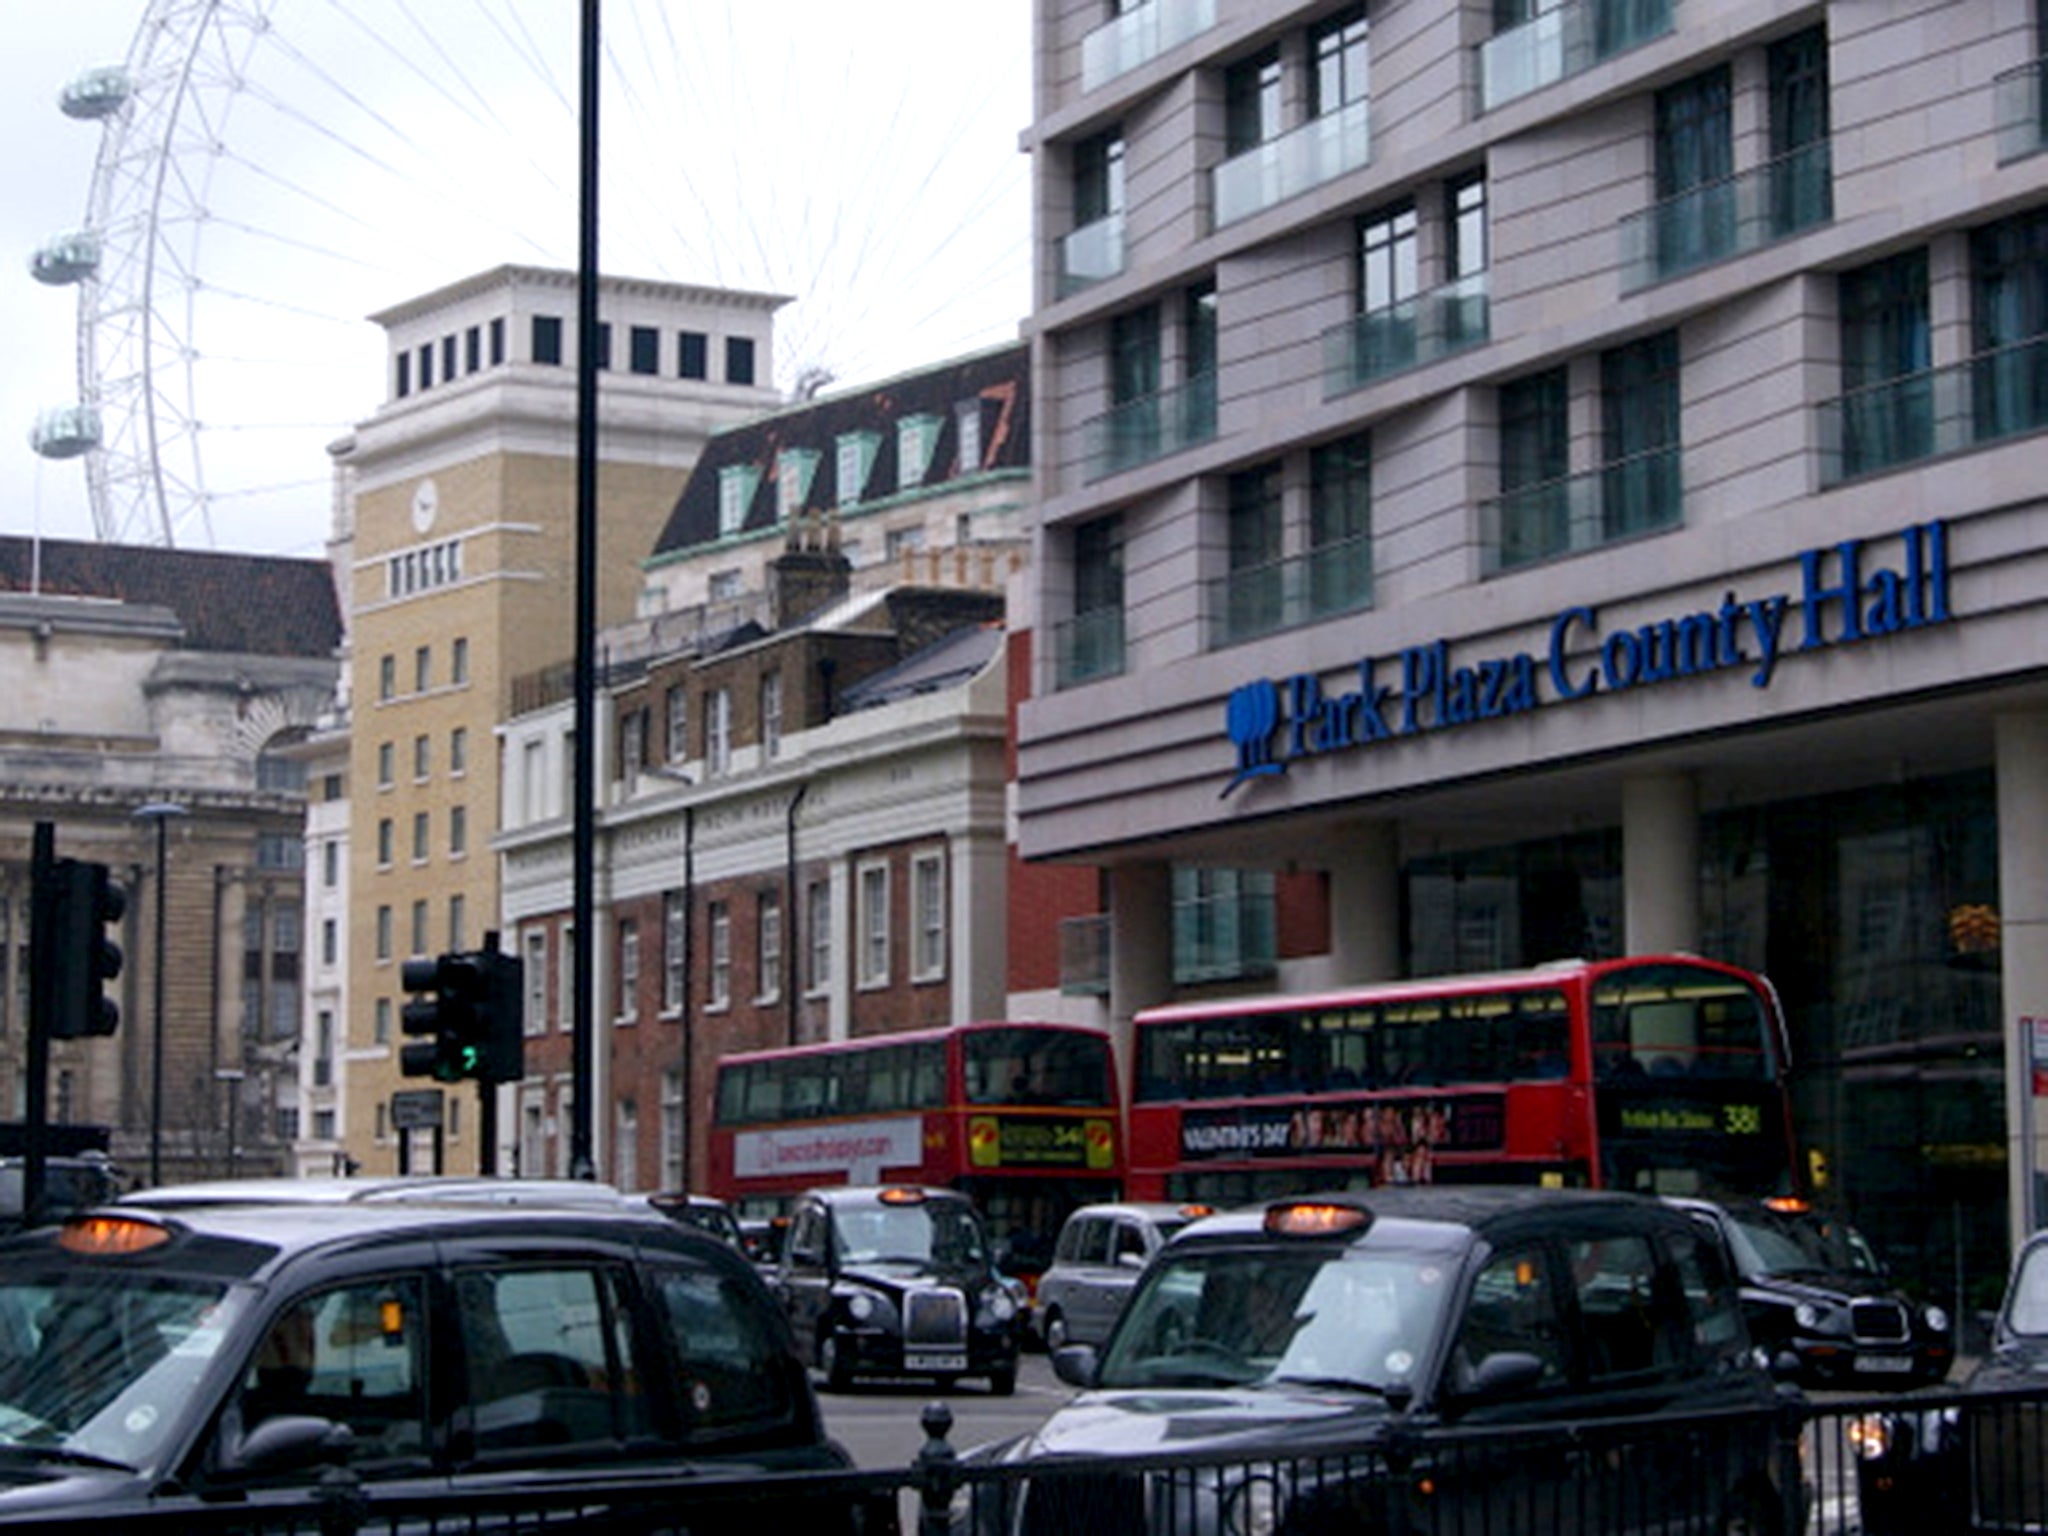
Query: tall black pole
582,1164
43,856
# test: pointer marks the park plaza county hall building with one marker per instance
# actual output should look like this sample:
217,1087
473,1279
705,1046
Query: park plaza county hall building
1573,474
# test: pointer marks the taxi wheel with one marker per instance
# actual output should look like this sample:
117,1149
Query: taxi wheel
1055,1330
833,1362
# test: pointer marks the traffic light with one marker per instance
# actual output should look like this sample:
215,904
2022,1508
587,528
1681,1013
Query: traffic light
504,1030
453,1017
77,905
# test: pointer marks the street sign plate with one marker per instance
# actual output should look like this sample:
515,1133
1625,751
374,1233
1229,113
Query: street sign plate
416,1109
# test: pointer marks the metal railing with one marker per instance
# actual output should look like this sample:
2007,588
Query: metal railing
1415,331
1728,218
1564,40
1139,35
1151,427
1281,594
1091,253
1320,150
1088,646
1990,397
1619,500
1084,956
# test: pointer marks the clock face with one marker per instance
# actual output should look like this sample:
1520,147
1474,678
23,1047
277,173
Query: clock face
426,501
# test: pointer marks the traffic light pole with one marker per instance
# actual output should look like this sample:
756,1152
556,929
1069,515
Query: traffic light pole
35,1163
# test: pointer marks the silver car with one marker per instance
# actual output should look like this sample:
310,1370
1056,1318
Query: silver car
1102,1250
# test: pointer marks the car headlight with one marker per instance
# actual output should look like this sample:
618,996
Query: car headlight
1254,1507
1808,1316
1002,1306
1937,1319
861,1306
1870,1436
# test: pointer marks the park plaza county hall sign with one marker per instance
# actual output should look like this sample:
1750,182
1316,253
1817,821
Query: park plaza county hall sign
1842,597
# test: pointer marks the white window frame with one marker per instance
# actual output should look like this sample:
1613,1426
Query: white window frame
718,981
795,469
967,417
672,952
625,1004
872,903
917,436
718,732
677,704
818,937
535,1018
855,458
736,486
771,714
768,947
928,915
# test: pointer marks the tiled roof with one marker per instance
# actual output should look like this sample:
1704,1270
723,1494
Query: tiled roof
256,605
1000,379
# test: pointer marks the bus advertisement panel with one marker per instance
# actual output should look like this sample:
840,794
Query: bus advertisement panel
1661,1073
1022,1117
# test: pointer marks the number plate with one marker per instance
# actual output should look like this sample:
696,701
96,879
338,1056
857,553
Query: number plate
933,1360
1885,1365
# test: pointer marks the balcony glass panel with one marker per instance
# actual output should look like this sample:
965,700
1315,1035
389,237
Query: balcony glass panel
1318,151
1084,956
1405,335
1091,253
1140,34
1302,589
1559,517
1140,431
1922,415
2018,110
1088,646
1564,41
1727,218
1224,936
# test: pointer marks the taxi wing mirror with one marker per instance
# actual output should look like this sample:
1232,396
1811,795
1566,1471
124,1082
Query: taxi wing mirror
289,1442
1075,1364
1505,1373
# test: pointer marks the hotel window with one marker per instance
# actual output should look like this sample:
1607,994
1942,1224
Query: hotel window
1534,458
387,759
967,421
384,931
693,355
628,1004
1134,371
818,936
1695,157
768,940
1253,542
1387,266
420,941
458,831
2009,316
422,668
458,750
874,925
422,756
387,677
736,484
457,917
1340,526
718,992
421,831
854,457
1888,404
718,731
547,338
795,468
771,714
1099,178
1337,50
1251,102
643,349
1465,200
458,658
672,951
739,360
386,835
928,906
1639,487
675,711
916,438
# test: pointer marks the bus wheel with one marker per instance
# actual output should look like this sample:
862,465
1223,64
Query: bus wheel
1002,1381
833,1362
1055,1330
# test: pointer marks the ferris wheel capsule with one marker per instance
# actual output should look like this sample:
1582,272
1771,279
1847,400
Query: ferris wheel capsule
66,432
97,93
66,259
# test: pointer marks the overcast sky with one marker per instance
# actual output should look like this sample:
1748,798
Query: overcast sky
859,157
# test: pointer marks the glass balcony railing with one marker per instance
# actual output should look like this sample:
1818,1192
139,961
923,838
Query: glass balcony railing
1139,431
1091,253
1405,335
1084,956
1088,646
1140,34
1635,495
2020,111
1562,41
1302,589
1320,150
1224,937
1729,217
1993,396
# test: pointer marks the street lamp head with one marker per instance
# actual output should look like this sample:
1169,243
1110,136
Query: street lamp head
159,810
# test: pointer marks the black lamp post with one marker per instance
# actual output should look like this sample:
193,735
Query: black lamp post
160,812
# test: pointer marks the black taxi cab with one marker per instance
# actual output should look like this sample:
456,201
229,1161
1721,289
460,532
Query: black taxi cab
897,1280
1421,1358
214,1351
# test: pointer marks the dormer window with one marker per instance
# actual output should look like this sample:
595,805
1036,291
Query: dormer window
736,485
916,437
967,416
794,470
856,456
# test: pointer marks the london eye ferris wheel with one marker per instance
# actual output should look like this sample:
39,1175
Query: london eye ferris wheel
268,175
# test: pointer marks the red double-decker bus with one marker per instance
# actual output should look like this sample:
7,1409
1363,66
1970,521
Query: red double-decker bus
1023,1118
1664,1073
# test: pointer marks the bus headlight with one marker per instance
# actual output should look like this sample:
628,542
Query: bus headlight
1254,1508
